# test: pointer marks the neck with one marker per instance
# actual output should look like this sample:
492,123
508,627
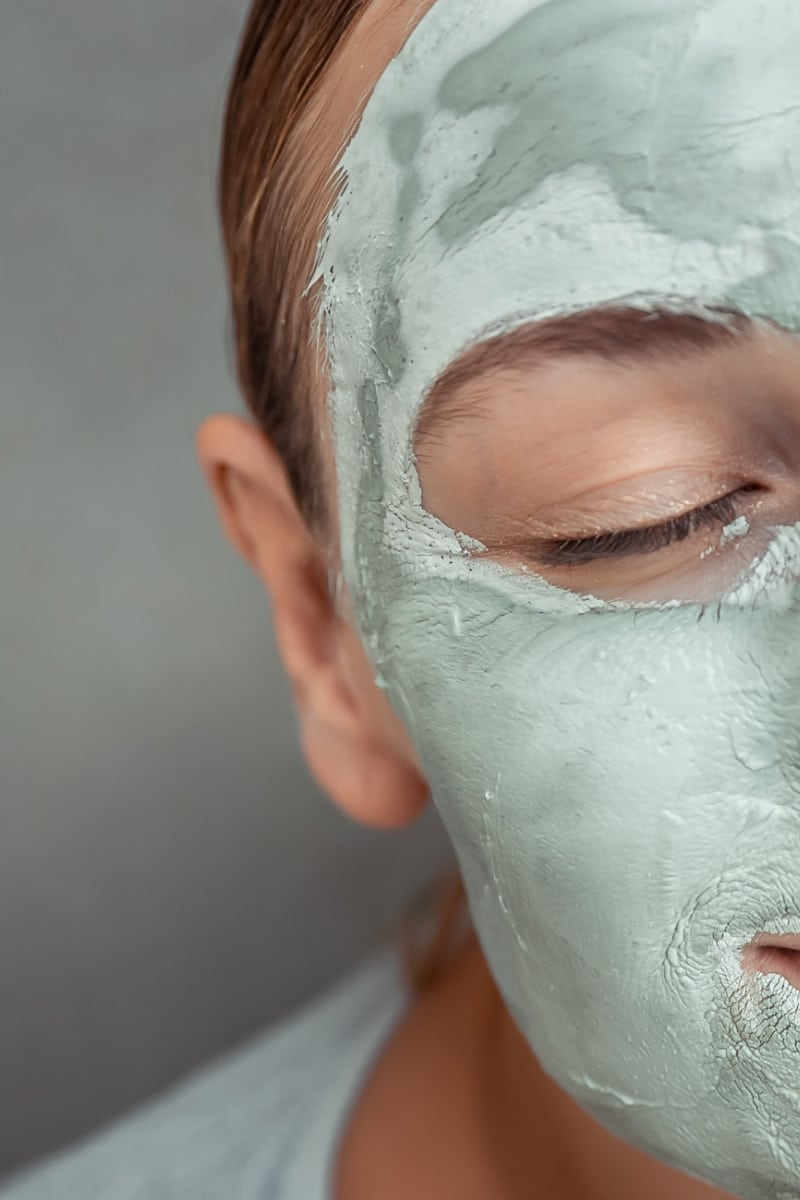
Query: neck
533,1131
458,1106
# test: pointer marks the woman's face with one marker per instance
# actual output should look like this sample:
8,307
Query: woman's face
551,211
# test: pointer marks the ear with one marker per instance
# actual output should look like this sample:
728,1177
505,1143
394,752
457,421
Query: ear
355,746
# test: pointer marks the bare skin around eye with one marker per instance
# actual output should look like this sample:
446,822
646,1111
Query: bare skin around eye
580,448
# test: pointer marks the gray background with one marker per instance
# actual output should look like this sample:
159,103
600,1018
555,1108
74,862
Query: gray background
170,880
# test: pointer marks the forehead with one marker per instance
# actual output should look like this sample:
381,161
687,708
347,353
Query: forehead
614,120
647,91
530,158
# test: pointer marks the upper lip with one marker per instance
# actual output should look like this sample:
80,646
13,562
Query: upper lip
774,954
790,941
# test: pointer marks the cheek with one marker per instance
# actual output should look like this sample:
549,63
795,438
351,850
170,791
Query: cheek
607,767
617,850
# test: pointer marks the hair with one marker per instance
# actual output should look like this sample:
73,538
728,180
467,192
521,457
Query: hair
284,51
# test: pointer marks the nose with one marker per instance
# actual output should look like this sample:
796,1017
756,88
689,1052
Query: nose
774,954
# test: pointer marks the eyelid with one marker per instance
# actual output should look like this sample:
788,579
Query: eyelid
560,552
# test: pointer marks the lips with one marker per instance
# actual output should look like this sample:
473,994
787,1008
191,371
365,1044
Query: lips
774,954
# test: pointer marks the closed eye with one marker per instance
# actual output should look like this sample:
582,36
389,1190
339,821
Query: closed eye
577,552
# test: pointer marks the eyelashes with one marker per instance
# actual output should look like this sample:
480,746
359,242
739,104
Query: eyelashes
577,552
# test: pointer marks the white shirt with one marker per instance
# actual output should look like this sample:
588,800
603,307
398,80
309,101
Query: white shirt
261,1123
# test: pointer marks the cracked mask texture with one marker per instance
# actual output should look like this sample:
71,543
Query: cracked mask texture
621,782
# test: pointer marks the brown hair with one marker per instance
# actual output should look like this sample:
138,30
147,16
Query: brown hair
284,51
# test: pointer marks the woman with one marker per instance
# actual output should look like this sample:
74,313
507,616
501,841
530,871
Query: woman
514,292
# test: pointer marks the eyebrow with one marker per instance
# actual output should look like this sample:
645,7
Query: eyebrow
619,334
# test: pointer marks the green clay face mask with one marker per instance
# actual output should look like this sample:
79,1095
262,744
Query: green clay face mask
621,781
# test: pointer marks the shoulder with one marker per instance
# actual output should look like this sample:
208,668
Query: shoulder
237,1129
